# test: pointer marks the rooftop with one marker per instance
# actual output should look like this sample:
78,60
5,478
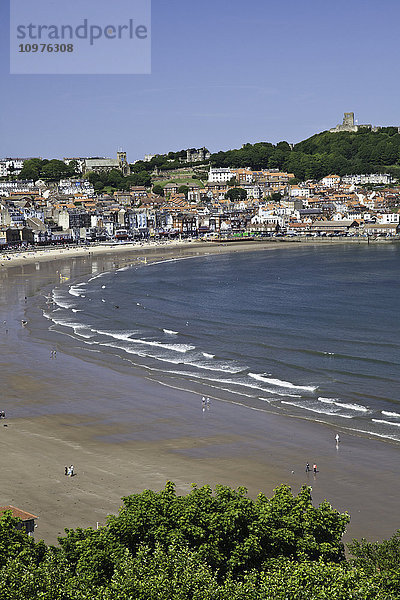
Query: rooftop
17,512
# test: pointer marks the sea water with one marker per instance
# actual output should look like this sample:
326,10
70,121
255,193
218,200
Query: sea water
308,331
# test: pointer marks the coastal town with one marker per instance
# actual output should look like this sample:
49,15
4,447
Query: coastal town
199,274
195,200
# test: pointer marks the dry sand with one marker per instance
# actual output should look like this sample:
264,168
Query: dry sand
124,433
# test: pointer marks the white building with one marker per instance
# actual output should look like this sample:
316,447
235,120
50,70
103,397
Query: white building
331,181
266,215
254,191
220,175
389,218
11,166
63,219
378,178
5,219
70,187
299,192
6,187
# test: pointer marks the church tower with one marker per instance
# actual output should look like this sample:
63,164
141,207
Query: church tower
123,163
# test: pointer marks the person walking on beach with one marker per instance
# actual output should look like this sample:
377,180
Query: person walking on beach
337,438
315,468
66,470
307,467
71,470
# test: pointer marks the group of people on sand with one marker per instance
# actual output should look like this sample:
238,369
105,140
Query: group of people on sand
308,468
69,471
315,468
205,403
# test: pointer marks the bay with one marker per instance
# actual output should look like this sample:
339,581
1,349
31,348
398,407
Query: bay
308,331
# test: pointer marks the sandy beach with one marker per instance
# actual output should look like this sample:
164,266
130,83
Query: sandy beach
124,433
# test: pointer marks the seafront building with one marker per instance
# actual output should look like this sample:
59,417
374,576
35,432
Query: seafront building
36,213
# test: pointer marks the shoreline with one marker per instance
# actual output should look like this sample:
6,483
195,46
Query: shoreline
130,252
232,444
240,244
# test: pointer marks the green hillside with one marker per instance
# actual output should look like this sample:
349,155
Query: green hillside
322,154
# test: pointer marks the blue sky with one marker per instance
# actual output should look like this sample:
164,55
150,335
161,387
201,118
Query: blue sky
224,73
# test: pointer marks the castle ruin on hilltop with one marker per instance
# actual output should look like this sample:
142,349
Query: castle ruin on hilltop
349,125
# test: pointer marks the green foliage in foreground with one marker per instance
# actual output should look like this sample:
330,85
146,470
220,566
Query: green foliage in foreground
203,546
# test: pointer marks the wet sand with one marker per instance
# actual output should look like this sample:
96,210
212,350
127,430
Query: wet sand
124,433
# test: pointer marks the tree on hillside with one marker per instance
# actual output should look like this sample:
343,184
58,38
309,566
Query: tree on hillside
158,189
98,186
55,170
141,178
183,189
31,169
95,177
73,164
276,197
284,146
29,172
114,178
52,170
235,194
277,159
139,166
117,181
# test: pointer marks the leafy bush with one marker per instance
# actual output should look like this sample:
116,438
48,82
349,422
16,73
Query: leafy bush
202,546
